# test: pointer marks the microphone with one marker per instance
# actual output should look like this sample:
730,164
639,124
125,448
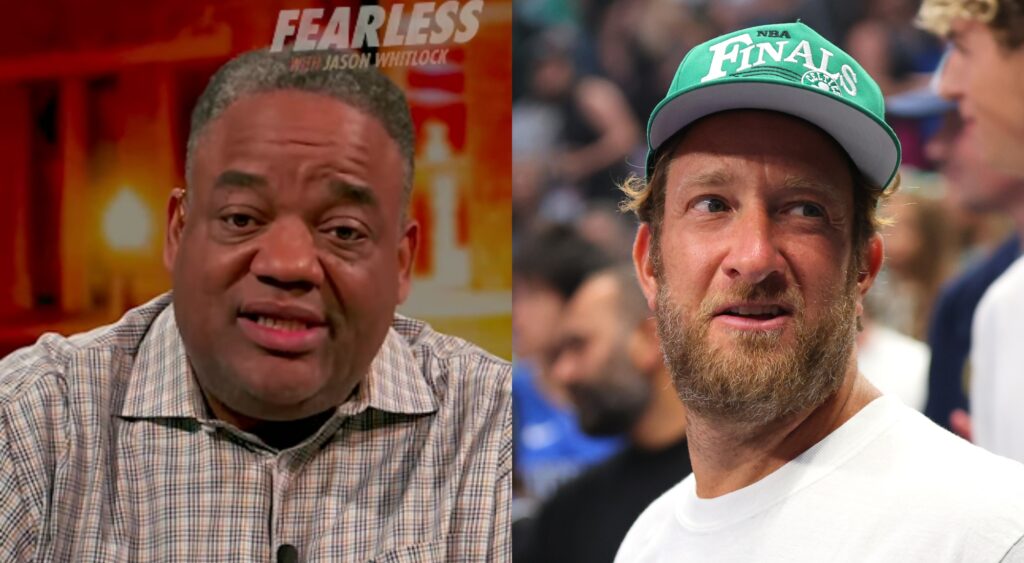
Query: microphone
286,553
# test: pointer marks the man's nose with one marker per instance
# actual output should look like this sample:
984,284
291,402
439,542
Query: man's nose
949,77
753,253
562,369
287,256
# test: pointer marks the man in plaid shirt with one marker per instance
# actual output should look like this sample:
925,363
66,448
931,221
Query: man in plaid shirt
274,407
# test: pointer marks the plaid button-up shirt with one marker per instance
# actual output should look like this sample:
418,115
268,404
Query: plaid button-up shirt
107,453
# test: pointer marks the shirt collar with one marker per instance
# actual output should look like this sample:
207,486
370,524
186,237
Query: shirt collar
162,384
395,382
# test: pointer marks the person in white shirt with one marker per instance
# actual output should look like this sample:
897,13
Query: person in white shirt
983,73
757,243
894,363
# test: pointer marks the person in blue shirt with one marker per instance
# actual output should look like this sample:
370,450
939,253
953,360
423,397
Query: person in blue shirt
550,447
976,187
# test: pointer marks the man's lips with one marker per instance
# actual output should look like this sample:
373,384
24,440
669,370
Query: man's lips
967,120
282,311
283,327
753,316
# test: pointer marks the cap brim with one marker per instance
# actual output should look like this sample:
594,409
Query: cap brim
870,143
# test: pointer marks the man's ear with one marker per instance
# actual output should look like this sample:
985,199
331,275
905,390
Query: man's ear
870,265
407,248
644,264
176,208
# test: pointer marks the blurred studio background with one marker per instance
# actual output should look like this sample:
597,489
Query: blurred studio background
95,101
587,74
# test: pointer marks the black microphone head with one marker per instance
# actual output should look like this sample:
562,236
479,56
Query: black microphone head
286,553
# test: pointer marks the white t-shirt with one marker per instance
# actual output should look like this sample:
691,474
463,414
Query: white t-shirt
887,486
997,366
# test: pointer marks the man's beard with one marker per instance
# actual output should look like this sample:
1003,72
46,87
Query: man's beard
614,401
757,380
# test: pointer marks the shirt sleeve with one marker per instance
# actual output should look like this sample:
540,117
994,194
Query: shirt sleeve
502,546
18,523
32,430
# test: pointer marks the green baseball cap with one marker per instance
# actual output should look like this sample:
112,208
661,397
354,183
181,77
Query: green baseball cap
788,68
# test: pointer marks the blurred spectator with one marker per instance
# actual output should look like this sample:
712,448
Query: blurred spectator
978,235
981,198
893,362
585,130
737,14
900,57
919,252
609,358
974,186
640,42
605,226
534,140
897,55
549,446
982,73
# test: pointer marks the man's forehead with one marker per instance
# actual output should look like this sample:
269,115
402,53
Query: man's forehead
533,286
350,137
722,175
960,26
596,298
291,108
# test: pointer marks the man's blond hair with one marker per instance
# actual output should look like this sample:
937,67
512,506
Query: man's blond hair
1004,17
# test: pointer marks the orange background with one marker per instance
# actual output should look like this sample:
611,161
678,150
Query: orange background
95,101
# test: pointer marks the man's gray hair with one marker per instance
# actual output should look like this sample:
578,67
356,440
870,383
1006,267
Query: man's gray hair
261,71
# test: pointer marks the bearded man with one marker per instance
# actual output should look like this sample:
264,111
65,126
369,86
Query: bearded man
607,356
758,241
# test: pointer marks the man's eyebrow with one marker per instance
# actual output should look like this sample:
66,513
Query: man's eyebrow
239,179
709,178
955,38
360,195
826,189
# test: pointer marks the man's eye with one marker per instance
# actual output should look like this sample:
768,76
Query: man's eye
711,205
239,221
347,234
812,210
552,354
574,344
